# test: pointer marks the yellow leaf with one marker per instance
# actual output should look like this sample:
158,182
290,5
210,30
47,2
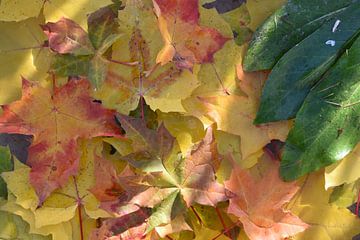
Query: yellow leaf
17,10
58,232
206,233
344,171
327,221
74,10
20,53
186,129
260,10
62,207
163,87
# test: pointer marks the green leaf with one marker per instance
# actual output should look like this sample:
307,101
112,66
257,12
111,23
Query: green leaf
300,68
97,71
6,165
345,195
167,210
69,65
102,24
287,27
327,125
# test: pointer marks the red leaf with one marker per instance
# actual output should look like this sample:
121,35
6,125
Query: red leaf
66,36
186,42
56,121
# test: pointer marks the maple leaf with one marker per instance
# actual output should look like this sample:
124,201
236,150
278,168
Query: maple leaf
171,179
128,227
235,113
82,53
327,221
56,121
158,85
186,42
66,36
260,207
67,212
21,54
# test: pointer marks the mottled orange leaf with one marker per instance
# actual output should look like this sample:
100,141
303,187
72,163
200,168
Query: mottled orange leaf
66,36
193,176
111,189
259,204
186,42
129,227
56,120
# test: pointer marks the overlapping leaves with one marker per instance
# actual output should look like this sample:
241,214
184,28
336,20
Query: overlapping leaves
181,159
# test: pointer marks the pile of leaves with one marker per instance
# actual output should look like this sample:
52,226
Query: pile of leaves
148,119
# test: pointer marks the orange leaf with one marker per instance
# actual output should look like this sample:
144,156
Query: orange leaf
186,42
128,227
259,204
56,121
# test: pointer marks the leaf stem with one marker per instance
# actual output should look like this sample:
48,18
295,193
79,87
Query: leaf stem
79,203
220,80
225,231
142,107
129,64
221,218
197,215
357,204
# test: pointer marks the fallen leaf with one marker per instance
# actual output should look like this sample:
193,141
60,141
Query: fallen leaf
159,86
72,204
21,46
51,119
261,209
66,36
5,166
343,171
326,221
186,42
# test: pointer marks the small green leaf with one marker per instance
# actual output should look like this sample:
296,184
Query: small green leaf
287,27
69,65
6,165
102,24
165,211
327,125
300,68
97,71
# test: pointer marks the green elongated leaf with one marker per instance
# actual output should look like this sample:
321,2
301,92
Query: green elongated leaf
300,68
5,166
327,125
287,27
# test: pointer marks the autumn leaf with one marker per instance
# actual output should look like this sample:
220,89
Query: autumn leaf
260,208
65,36
21,54
81,53
50,118
327,221
171,179
140,43
72,206
5,166
14,227
186,42
128,227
